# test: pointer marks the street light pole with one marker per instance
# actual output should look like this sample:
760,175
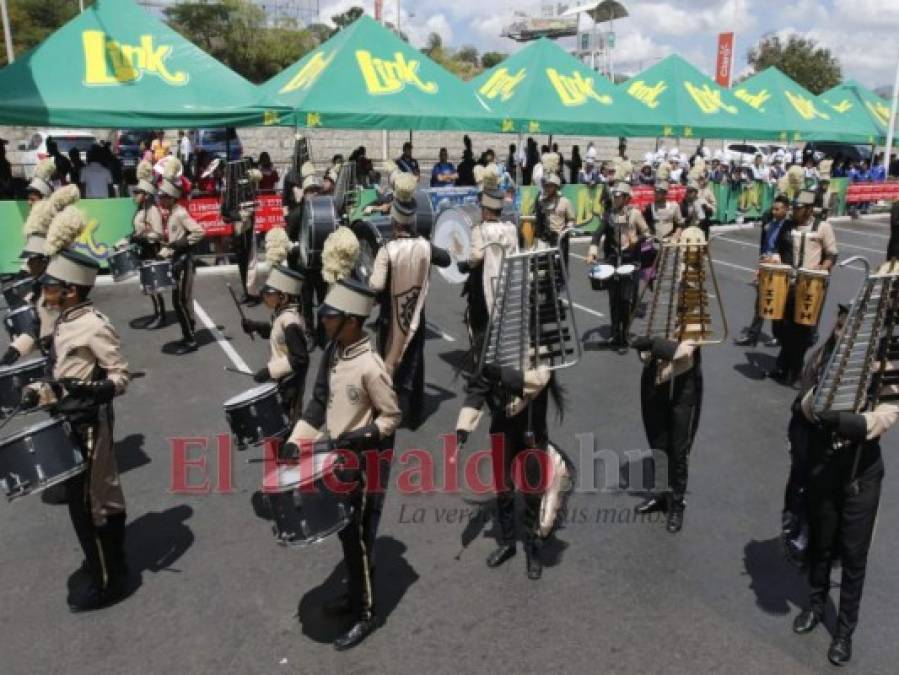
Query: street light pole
7,33
891,130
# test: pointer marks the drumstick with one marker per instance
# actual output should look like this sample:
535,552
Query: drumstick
239,372
239,309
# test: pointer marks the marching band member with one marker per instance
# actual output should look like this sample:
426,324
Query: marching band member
88,371
286,333
555,215
488,239
401,276
663,216
148,235
41,184
182,233
776,247
697,212
353,403
619,238
243,220
814,248
34,253
843,496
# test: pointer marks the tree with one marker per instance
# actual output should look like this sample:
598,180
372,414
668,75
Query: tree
235,32
812,66
468,54
433,44
344,19
31,22
490,59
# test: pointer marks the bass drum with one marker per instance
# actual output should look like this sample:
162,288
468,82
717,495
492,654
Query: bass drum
425,214
319,220
453,233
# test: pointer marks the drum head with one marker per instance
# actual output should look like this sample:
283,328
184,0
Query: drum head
601,272
453,233
32,430
310,468
624,270
254,394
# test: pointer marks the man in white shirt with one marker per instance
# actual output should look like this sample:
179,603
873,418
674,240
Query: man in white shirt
96,179
184,148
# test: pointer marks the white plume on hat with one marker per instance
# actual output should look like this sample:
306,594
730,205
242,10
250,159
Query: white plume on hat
277,246
649,157
66,227
551,162
796,176
172,170
45,169
65,196
404,186
38,221
145,171
698,169
664,171
254,176
308,169
339,254
623,169
591,155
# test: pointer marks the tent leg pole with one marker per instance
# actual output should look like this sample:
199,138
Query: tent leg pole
7,33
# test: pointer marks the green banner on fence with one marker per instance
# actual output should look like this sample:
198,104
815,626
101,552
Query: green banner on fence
108,221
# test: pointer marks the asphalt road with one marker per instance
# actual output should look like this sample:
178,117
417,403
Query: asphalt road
213,593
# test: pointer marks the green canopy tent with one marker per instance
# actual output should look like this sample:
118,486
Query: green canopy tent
688,104
365,77
780,98
543,89
852,100
115,65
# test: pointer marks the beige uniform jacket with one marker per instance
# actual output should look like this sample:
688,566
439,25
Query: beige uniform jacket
632,230
279,362
148,224
488,240
352,390
666,219
817,244
559,213
178,226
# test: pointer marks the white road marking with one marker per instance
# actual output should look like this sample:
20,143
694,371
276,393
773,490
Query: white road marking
718,261
226,346
446,336
585,309
839,245
864,234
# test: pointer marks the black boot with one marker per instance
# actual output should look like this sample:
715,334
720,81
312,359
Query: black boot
106,582
652,504
532,558
356,634
747,340
806,622
500,555
146,321
186,346
159,319
675,516
840,651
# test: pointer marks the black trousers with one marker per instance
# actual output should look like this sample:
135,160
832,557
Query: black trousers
795,340
755,328
669,418
841,524
358,538
622,300
182,296
243,245
511,461
409,378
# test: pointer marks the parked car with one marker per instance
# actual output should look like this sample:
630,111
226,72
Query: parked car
840,151
126,146
220,142
35,149
744,153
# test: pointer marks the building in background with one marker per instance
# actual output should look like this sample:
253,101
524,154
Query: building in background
299,12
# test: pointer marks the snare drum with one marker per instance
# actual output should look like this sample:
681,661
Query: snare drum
16,377
600,276
124,264
43,455
625,270
16,294
304,503
811,290
774,282
156,277
256,415
21,320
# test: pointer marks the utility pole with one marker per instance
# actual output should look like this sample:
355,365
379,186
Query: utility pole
7,33
891,130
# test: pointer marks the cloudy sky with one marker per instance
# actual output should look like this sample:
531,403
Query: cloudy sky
862,33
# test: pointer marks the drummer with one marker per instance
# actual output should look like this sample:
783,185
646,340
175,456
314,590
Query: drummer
619,236
148,235
814,247
34,254
555,215
353,403
286,333
88,372
182,234
664,219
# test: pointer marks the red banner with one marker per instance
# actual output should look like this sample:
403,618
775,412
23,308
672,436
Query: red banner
643,195
725,61
207,212
872,192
